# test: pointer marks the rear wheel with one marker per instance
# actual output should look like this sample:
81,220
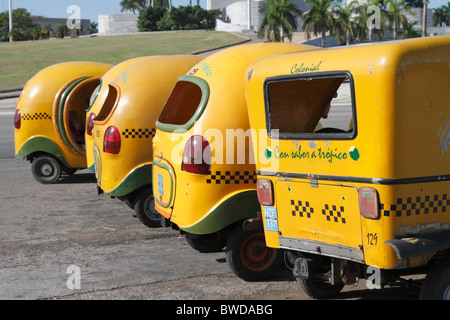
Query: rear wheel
316,284
46,169
436,285
213,242
144,207
69,171
249,257
318,289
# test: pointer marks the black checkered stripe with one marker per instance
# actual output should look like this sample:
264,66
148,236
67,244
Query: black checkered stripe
332,213
36,116
420,205
139,133
231,177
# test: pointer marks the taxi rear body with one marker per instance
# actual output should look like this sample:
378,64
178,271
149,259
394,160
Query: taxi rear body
353,162
98,99
124,127
50,118
203,175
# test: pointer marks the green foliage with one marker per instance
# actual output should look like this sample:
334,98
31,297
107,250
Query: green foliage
441,16
158,18
22,25
93,27
133,5
61,30
279,20
319,18
188,18
149,17
351,20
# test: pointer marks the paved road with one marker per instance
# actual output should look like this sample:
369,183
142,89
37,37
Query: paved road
50,234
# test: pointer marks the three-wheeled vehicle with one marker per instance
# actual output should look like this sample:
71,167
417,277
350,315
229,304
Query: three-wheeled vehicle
50,118
98,100
352,163
124,128
203,178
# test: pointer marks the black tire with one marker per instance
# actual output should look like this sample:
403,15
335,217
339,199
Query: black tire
248,256
319,290
436,285
213,242
69,171
144,207
46,169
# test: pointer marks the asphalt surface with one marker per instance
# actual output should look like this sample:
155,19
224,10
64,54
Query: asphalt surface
66,242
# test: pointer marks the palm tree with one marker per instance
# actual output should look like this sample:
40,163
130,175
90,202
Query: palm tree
15,34
93,27
394,10
61,30
441,16
319,18
345,23
163,4
132,5
415,3
35,32
409,31
279,19
46,31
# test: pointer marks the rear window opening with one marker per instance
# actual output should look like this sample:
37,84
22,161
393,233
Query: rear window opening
71,112
109,104
94,95
184,105
319,106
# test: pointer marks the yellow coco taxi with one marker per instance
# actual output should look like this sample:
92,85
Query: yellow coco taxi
98,99
203,179
352,163
50,118
125,125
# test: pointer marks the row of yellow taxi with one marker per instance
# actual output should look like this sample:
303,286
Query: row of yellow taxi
331,161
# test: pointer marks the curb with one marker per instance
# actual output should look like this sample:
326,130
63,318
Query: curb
13,93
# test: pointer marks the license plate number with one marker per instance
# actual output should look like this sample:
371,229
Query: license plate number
270,216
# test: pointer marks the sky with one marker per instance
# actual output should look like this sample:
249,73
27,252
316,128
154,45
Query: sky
89,9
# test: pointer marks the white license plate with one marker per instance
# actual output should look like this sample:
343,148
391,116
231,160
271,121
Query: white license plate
270,216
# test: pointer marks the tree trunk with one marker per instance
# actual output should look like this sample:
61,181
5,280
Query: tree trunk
395,30
323,38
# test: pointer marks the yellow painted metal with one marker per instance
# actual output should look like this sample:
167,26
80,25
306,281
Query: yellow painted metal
135,99
206,203
100,97
398,146
38,106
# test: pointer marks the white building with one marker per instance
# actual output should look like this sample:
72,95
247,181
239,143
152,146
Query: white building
117,23
242,15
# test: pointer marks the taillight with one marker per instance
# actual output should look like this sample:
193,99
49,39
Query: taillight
196,155
368,202
111,142
17,119
90,123
264,190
